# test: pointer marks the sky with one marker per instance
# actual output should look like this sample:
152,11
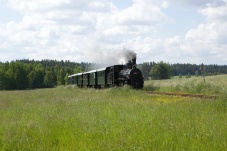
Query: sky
99,31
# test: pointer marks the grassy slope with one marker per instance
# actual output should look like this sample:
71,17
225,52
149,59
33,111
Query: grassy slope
68,118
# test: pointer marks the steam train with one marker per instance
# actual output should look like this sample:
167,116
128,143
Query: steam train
116,75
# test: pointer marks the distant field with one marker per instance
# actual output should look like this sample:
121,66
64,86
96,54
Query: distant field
215,85
67,118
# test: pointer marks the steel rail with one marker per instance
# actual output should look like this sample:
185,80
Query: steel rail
183,94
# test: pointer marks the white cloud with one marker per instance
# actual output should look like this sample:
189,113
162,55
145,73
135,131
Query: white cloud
95,31
217,14
68,25
209,39
198,3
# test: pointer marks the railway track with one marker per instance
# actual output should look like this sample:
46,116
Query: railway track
183,94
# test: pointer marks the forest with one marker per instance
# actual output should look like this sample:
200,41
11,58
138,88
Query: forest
31,74
185,69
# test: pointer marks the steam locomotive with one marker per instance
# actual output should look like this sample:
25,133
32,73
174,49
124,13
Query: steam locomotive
116,75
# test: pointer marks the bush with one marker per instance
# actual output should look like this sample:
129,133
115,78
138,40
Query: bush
161,71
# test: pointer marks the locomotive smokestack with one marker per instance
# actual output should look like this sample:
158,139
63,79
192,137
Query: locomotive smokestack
134,61
129,55
129,58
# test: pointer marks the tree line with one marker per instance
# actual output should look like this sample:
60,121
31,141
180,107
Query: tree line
31,74
150,69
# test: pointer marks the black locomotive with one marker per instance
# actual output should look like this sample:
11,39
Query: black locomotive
115,75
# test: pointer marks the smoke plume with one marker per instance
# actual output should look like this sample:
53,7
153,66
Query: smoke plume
112,57
127,55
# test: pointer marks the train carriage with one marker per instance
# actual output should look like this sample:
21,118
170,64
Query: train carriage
86,79
102,77
73,79
92,78
79,78
70,79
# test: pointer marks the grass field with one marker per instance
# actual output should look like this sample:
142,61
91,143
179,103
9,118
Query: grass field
215,85
68,118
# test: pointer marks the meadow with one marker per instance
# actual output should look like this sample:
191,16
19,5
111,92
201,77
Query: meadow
214,85
69,118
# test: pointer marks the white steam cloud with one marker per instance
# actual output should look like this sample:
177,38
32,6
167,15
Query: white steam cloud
104,59
127,55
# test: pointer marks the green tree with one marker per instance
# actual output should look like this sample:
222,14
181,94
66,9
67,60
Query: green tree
9,80
180,75
196,73
36,76
48,78
145,69
66,79
77,69
188,75
21,75
161,71
2,76
61,76
15,76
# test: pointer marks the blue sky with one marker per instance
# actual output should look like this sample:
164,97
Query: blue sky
174,31
183,20
122,4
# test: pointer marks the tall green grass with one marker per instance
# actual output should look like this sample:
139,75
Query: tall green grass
68,118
